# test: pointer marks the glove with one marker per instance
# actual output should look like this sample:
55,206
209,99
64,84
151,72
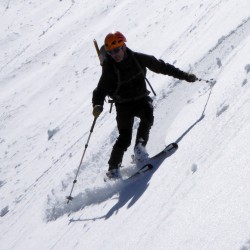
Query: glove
97,110
191,78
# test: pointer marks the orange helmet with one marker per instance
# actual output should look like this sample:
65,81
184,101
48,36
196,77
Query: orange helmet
114,40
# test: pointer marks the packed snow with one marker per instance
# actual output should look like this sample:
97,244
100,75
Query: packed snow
196,199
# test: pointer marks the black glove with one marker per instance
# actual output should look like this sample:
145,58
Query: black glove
97,110
190,78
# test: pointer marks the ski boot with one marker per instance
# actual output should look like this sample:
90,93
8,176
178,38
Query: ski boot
140,154
113,174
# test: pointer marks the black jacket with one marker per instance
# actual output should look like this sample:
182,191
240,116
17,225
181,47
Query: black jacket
125,81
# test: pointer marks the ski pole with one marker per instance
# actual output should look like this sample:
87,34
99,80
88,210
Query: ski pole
69,198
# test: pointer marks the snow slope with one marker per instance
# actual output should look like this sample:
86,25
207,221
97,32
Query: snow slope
197,199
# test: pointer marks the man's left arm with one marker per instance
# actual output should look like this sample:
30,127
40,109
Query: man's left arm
160,67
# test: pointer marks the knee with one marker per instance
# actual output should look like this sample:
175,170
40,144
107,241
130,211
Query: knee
150,120
149,113
124,139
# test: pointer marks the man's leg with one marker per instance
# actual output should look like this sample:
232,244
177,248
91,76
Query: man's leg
125,120
145,113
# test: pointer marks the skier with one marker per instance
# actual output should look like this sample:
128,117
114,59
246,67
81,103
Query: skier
123,79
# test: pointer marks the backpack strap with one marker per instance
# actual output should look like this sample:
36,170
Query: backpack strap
119,83
139,65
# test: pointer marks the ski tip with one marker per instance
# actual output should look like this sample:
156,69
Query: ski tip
172,147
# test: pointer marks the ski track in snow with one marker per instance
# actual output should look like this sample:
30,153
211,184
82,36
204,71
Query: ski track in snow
24,50
58,19
207,67
128,190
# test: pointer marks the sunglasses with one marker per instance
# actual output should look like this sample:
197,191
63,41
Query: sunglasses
114,51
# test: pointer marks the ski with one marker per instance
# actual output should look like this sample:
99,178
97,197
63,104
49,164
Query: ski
157,159
152,163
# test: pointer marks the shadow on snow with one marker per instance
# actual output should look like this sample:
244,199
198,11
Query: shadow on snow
127,191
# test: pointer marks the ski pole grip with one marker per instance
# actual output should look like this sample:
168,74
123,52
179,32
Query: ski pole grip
97,50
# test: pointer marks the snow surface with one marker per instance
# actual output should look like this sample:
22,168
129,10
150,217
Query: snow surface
197,199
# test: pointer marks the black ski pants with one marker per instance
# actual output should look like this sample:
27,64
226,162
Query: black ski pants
126,112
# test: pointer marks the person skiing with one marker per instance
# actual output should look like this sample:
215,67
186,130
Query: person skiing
123,79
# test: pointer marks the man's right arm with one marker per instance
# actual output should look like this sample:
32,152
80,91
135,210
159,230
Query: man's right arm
98,96
98,99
